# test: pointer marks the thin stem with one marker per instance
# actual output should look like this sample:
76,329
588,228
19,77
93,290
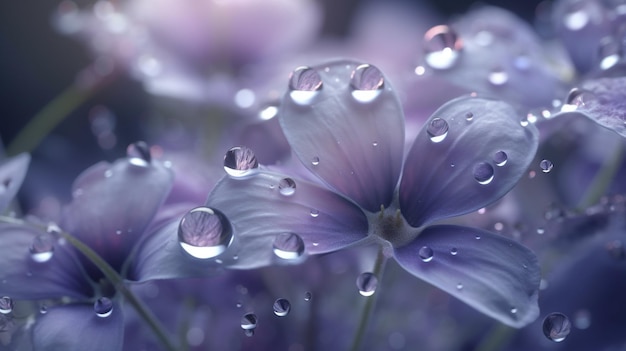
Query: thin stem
603,179
368,307
497,336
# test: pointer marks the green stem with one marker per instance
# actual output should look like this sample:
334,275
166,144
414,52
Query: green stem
368,307
497,336
603,179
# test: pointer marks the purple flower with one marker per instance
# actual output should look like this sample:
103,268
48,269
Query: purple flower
345,124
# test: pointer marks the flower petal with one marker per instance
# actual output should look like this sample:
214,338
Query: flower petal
78,328
12,173
355,147
258,213
21,277
460,173
112,205
495,275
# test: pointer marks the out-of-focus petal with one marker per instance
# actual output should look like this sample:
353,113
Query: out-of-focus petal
12,173
356,147
57,275
258,212
112,205
470,153
78,328
493,274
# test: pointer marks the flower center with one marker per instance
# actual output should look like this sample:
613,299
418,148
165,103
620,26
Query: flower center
390,226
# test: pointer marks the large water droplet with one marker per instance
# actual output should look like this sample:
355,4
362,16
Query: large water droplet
281,307
367,83
249,321
437,130
204,232
42,248
556,327
442,47
366,283
103,307
426,253
240,161
546,166
577,98
500,158
483,173
287,186
6,305
288,246
139,154
304,85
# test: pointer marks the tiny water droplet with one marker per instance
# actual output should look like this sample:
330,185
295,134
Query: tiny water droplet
469,116
442,47
238,304
609,52
249,321
268,112
103,307
459,286
6,305
546,166
577,98
288,246
287,186
304,85
483,173
367,83
556,327
366,283
281,307
42,248
498,77
204,232
108,173
540,231
315,213
308,296
43,309
426,253
315,161
437,130
500,158
513,310
139,154
454,251
240,161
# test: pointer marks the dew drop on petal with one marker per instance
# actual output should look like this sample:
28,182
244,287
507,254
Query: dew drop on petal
483,173
287,186
308,296
367,83
288,246
204,232
304,85
437,130
281,307
426,253
366,283
609,52
500,158
240,161
546,166
459,286
469,116
42,248
6,305
577,98
139,154
315,161
248,321
454,251
315,213
103,307
43,309
442,47
268,112
556,327
513,310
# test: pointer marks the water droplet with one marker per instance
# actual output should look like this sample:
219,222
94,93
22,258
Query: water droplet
469,116
43,309
304,85
483,173
367,83
576,17
240,161
556,327
308,296
268,113
6,305
315,213
577,98
442,47
103,307
540,231
204,232
139,154
287,186
249,321
546,166
288,246
582,319
437,130
42,248
315,161
513,310
498,77
459,286
281,307
500,158
609,52
426,253
367,283
454,251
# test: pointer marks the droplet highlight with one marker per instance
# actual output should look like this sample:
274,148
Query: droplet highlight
249,321
366,283
442,47
426,253
287,186
281,307
139,154
556,327
546,166
240,161
42,248
367,82
483,173
288,246
204,232
305,84
500,158
6,305
437,130
103,307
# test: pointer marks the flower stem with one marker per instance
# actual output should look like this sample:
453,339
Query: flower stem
603,179
368,307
